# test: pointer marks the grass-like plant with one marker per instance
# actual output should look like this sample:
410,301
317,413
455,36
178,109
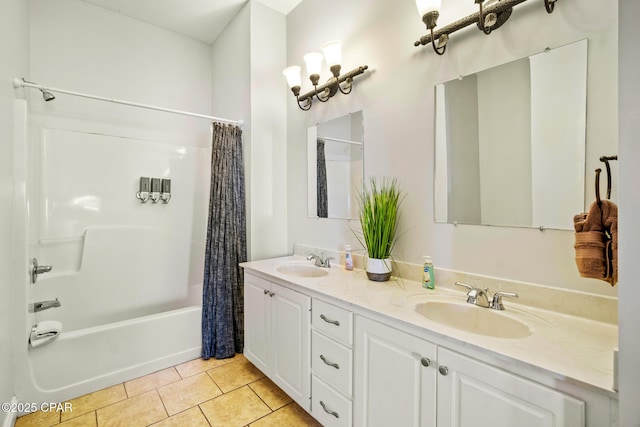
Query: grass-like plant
379,206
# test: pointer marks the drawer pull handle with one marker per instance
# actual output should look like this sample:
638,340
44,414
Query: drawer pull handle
328,411
333,322
326,362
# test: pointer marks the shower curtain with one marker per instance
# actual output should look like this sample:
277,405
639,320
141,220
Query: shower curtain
222,294
322,196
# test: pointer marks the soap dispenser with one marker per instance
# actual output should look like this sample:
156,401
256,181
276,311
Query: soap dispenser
428,280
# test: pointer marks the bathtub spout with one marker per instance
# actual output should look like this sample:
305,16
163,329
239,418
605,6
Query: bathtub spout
45,305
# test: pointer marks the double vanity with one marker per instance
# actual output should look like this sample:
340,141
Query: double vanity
353,352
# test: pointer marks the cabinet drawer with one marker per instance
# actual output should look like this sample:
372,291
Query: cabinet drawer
328,406
331,362
333,321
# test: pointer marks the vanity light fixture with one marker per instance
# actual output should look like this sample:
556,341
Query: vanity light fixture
490,16
333,55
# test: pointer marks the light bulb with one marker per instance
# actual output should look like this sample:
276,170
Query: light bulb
332,53
425,6
314,63
292,75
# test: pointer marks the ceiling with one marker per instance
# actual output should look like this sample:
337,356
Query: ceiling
199,19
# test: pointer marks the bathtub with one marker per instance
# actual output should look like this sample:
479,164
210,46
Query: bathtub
90,359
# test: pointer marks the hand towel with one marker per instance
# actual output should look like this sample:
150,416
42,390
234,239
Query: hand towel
596,242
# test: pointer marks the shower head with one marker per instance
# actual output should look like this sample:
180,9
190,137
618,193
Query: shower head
47,96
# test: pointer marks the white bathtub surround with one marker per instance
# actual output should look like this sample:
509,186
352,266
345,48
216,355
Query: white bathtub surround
11,416
128,275
572,349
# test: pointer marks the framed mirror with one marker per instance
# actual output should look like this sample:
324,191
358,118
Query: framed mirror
510,142
335,154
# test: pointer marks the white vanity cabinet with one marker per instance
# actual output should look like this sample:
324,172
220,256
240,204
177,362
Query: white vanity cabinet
474,394
395,377
403,380
352,365
277,325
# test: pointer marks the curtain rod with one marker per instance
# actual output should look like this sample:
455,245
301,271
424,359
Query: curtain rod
18,83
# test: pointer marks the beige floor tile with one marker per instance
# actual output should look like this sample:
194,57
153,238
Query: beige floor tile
270,393
235,409
96,400
235,374
290,416
38,419
86,420
140,410
190,418
188,392
151,381
196,366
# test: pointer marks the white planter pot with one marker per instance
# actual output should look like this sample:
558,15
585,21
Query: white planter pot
379,270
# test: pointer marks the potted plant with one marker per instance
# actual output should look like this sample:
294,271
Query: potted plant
379,204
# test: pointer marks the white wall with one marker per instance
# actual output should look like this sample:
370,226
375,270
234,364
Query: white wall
268,133
14,50
231,90
247,57
629,231
397,99
81,47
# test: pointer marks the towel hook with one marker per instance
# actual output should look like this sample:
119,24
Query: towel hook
605,160
598,186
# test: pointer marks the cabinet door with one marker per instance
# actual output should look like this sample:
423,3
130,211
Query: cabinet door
393,387
290,361
257,321
473,394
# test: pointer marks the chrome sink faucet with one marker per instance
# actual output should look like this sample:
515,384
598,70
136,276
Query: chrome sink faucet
320,261
480,297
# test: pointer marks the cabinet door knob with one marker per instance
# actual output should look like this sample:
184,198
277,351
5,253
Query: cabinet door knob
271,294
333,322
326,362
266,291
443,370
328,411
425,361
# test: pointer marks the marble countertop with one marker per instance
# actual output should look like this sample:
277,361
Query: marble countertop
571,348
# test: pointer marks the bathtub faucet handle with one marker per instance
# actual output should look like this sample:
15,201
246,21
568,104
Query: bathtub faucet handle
38,269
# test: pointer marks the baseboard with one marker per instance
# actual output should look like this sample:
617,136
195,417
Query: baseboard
10,416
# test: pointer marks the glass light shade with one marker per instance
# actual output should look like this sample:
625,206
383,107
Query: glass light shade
314,62
292,75
425,6
332,53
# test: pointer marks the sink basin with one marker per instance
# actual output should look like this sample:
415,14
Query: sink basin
302,270
471,318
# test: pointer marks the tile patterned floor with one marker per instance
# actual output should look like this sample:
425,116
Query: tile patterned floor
199,393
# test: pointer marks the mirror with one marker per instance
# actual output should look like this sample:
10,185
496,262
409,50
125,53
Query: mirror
335,151
510,142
